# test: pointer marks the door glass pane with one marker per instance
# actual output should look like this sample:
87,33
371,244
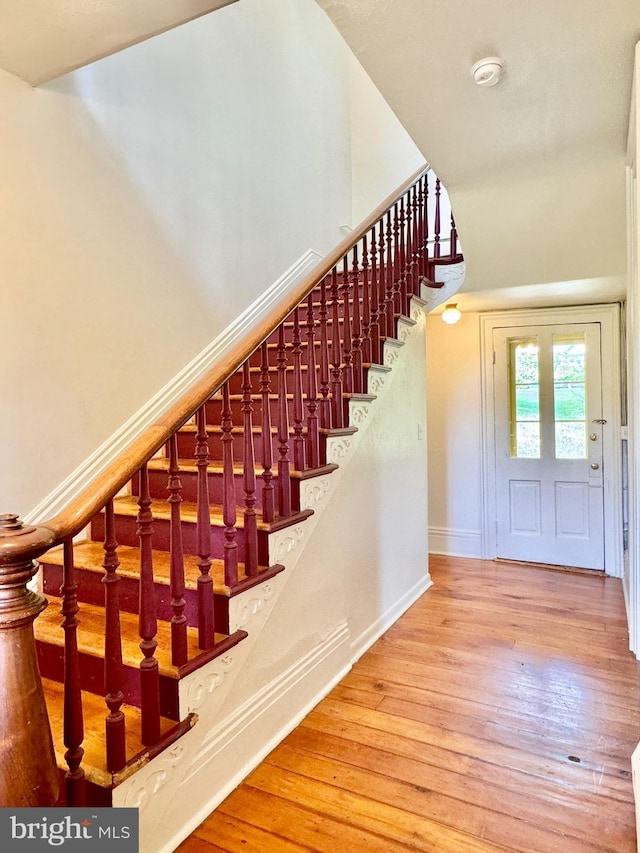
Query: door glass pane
524,398
569,396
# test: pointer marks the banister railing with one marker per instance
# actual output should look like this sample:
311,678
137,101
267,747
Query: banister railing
297,365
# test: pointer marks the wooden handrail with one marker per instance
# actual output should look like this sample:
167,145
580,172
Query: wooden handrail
107,484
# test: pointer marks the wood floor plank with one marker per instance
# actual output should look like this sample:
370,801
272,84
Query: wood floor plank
498,714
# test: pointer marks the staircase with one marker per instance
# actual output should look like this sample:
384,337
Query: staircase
143,578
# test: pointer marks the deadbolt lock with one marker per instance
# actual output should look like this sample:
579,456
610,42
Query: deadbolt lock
594,436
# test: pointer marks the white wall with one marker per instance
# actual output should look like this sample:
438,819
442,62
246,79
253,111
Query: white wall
147,200
382,152
454,428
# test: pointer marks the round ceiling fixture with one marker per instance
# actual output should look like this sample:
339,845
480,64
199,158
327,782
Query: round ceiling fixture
487,72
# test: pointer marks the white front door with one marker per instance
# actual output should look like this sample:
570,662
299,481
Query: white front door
548,444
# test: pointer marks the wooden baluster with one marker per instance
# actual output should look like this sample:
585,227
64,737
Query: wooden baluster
313,434
347,370
408,289
284,472
179,652
436,223
298,440
415,242
147,620
382,283
424,243
249,467
337,413
228,492
113,672
366,306
325,402
268,503
206,626
397,260
73,722
453,244
388,299
356,341
374,334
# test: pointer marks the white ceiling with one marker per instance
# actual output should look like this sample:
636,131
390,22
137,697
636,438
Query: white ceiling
42,39
535,165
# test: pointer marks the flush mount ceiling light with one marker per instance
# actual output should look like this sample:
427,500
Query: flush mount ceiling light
487,72
451,313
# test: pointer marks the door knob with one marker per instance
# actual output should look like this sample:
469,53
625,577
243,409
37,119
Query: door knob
594,436
594,466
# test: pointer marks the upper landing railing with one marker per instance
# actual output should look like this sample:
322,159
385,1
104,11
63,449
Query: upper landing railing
297,367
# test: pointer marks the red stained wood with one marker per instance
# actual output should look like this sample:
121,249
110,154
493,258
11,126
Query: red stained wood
337,412
325,387
113,677
298,413
147,620
206,628
177,573
229,496
313,427
250,521
268,500
356,341
284,479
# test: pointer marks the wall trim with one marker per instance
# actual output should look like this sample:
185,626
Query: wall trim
167,396
455,543
275,700
364,642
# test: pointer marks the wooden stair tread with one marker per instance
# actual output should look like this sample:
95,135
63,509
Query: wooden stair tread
161,510
94,712
161,463
91,632
88,556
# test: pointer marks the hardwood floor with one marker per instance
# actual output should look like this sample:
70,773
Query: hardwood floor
498,714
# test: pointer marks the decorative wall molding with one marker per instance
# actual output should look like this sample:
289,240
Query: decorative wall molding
314,492
153,777
284,542
455,543
274,693
244,607
391,351
161,402
206,681
338,448
359,412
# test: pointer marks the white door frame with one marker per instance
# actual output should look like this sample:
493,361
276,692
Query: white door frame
609,318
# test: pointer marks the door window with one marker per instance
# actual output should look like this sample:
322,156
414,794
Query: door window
569,396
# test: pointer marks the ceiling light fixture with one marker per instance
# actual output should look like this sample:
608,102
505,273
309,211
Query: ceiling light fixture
451,313
488,72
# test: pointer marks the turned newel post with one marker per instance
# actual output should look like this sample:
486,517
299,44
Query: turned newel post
28,772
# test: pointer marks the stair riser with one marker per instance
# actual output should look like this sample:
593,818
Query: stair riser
51,663
91,591
186,440
189,479
126,527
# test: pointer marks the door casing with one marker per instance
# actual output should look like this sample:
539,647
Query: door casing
608,316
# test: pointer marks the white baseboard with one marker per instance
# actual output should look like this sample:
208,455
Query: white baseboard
166,397
360,645
247,736
455,543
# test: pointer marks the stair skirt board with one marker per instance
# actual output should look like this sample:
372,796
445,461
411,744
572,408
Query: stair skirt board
202,767
161,402
455,543
237,745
